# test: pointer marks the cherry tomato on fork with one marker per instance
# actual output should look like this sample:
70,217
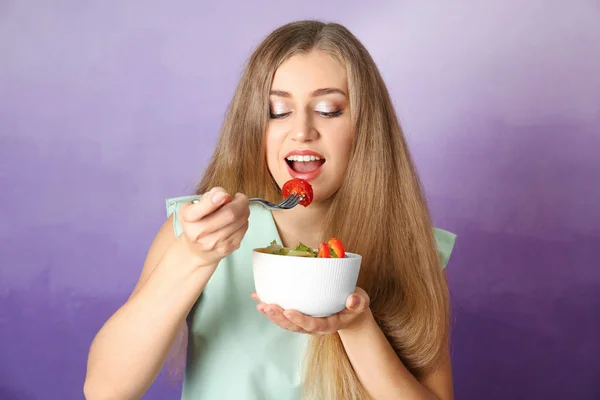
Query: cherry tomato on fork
298,187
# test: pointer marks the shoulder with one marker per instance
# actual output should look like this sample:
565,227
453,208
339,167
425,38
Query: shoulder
445,244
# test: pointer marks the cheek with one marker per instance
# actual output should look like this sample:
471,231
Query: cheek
343,142
348,140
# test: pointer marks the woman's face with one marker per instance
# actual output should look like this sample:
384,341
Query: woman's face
309,133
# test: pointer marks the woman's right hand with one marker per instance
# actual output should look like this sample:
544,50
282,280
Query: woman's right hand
214,227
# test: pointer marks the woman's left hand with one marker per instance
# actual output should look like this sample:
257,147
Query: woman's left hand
351,318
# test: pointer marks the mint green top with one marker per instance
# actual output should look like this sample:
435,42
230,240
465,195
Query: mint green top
235,352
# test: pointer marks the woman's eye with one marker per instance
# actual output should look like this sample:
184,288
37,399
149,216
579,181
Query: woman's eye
278,116
325,114
331,114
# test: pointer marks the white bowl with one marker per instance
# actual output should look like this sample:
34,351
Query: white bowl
317,287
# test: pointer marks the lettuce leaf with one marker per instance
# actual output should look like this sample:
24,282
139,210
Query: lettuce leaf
299,251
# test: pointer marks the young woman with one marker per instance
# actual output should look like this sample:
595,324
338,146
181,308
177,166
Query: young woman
309,89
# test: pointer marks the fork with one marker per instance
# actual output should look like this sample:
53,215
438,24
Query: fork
288,203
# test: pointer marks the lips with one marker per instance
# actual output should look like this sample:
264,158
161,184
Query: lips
304,164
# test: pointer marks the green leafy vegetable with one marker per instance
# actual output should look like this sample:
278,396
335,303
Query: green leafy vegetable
299,251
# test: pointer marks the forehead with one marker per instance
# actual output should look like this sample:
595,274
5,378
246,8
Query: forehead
304,73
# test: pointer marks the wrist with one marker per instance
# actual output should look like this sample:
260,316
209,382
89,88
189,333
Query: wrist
181,269
182,251
174,287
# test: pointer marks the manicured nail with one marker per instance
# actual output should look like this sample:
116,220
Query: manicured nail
217,198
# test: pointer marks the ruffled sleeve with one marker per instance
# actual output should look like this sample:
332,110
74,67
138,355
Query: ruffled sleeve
173,205
445,243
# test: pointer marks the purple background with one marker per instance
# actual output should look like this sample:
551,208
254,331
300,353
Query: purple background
108,107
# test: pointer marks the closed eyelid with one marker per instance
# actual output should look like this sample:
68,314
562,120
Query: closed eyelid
323,105
327,107
279,107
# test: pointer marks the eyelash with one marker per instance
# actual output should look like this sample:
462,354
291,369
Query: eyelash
332,114
278,116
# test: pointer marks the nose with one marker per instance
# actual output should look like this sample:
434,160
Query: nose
303,128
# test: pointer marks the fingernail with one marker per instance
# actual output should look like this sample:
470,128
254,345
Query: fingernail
217,198
354,302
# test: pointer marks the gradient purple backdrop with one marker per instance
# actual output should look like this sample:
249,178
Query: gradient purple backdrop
109,107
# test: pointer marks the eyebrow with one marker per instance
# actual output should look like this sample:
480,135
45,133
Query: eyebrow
316,93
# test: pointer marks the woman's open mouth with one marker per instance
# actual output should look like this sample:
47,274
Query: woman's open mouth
304,164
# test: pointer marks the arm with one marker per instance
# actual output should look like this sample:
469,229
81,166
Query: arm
130,349
378,367
373,359
383,374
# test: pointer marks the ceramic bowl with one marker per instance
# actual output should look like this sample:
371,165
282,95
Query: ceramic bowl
317,287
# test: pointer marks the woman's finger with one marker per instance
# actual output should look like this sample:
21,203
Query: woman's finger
232,243
207,204
305,322
275,321
313,325
275,314
234,212
211,240
357,306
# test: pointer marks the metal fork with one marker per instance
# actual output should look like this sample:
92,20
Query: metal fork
287,203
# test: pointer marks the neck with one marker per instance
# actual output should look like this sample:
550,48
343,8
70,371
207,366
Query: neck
301,224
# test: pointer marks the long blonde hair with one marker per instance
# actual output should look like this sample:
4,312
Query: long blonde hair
390,226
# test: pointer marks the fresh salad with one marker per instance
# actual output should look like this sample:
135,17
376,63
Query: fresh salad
332,249
299,187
